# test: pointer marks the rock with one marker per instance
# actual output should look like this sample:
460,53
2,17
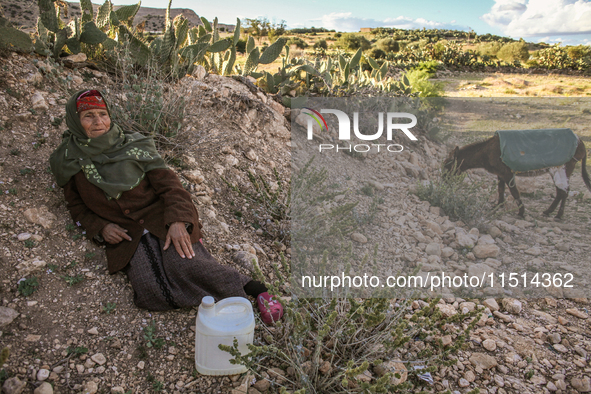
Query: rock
90,387
99,358
469,376
262,385
582,385
503,317
485,240
577,313
7,315
491,304
446,310
359,238
447,252
199,72
23,236
463,383
245,260
13,386
45,388
446,340
433,249
277,374
38,102
248,248
29,266
480,270
40,216
117,390
93,331
499,381
364,377
489,344
396,368
535,251
512,305
484,361
563,247
495,232
486,250
43,374
77,58
554,338
544,315
325,368
464,240
251,155
538,380
194,176
141,365
561,348
280,109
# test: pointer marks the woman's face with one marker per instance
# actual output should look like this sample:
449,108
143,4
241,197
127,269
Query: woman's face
96,122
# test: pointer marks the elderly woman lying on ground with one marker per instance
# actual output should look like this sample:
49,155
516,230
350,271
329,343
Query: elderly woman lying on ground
119,189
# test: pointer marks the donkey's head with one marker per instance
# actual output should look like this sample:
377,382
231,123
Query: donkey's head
452,165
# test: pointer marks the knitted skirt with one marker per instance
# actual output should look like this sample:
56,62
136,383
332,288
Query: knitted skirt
162,280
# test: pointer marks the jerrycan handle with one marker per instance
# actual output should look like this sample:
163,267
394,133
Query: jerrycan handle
233,305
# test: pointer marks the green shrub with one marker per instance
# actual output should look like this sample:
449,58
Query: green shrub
579,52
388,45
376,53
298,42
489,49
28,286
514,51
420,84
430,66
352,42
241,46
458,198
330,343
321,44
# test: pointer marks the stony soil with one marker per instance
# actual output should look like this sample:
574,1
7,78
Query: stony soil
521,344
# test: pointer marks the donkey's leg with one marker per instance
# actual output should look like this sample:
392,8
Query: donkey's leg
516,197
554,204
568,170
560,176
564,195
501,189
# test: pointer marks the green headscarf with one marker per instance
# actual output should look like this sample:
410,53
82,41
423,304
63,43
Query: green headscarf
116,161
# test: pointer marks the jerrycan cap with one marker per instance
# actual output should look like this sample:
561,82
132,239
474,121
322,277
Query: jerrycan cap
207,302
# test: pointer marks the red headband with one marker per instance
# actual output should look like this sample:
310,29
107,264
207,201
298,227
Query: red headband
91,99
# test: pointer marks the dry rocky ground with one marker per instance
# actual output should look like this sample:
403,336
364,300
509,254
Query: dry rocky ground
89,337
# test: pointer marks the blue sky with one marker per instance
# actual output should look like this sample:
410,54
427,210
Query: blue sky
551,21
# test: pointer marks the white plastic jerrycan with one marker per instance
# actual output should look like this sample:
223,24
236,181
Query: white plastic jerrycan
219,324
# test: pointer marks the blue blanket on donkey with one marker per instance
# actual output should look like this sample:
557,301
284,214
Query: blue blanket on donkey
527,150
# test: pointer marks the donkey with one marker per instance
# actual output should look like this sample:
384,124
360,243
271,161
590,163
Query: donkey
487,155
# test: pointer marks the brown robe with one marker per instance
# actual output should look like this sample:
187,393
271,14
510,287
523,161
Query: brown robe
157,202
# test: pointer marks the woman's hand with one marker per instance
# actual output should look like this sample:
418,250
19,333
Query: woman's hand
177,233
114,234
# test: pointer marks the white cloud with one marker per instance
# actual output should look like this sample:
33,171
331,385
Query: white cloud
345,21
526,18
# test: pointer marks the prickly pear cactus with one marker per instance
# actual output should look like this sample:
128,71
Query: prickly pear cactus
273,51
48,15
91,34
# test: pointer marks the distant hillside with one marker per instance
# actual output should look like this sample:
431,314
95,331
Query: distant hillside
24,14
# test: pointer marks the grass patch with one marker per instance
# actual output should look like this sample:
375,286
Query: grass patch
459,198
28,286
